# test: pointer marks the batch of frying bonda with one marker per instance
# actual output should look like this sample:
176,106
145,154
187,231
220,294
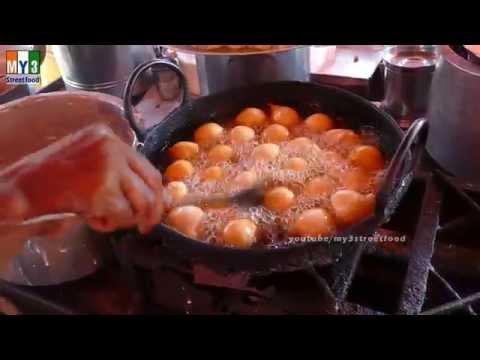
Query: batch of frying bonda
320,178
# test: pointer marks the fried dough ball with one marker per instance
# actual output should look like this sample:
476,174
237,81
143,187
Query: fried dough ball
212,173
367,157
300,145
245,180
334,163
342,137
266,152
251,117
208,134
179,170
318,123
284,115
241,134
220,153
186,220
279,198
320,186
275,134
295,164
184,150
240,233
350,206
177,191
356,179
313,222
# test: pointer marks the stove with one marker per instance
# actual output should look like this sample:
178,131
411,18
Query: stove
435,271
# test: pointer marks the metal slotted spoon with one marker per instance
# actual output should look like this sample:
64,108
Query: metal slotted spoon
246,198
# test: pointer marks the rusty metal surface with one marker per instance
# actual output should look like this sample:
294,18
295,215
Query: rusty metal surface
452,306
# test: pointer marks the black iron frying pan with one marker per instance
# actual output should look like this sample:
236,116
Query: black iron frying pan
355,113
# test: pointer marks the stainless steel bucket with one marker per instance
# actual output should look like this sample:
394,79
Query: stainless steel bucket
101,68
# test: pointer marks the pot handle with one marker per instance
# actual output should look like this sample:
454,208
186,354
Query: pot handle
130,86
398,170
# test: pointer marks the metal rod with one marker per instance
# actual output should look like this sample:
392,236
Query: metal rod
460,192
452,259
450,288
454,305
322,284
461,221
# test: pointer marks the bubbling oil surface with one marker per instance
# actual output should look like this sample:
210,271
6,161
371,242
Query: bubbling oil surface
322,160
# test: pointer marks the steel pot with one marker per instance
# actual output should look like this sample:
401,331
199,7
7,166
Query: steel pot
220,71
409,71
454,113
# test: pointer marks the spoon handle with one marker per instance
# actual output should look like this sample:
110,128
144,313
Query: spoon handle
214,201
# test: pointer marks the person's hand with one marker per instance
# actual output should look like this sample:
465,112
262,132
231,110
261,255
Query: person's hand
92,173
